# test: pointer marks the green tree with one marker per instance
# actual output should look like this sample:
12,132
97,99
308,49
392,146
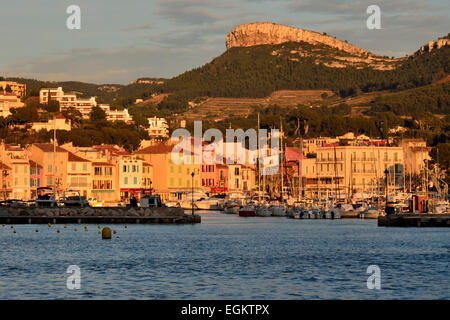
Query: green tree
97,114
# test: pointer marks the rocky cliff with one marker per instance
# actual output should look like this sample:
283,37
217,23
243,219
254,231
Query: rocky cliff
432,45
253,34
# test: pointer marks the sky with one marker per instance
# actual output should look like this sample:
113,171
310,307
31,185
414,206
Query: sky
120,41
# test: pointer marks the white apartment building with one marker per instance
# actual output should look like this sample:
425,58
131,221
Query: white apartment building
58,123
7,102
18,89
158,128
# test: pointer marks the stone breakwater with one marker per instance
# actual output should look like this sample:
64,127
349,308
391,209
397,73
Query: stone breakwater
29,215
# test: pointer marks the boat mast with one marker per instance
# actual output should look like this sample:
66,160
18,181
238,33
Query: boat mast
54,155
259,165
281,160
336,179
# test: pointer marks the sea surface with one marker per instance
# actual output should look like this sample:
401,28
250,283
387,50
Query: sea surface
226,257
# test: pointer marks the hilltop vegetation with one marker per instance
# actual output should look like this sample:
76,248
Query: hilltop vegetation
256,72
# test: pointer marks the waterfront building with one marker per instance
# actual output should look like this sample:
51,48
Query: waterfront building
104,183
159,157
147,177
16,159
36,176
249,178
54,164
130,176
416,155
221,179
348,170
79,175
6,181
171,180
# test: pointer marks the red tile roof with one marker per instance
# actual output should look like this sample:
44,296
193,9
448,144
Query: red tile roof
156,149
4,166
34,164
48,147
75,158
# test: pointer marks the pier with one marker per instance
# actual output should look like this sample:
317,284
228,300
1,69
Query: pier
414,220
118,215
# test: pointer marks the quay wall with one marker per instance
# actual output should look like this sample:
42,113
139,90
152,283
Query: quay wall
414,220
16,215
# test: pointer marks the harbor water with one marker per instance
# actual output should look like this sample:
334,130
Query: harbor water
226,257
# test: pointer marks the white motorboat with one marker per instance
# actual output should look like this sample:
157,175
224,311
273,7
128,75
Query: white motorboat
343,211
278,211
263,211
212,203
232,207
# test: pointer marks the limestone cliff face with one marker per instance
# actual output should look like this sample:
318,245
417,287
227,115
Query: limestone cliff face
253,34
430,46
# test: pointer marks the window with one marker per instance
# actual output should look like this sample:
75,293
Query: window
180,170
124,169
180,182
133,168
49,168
16,169
172,182
49,181
85,167
74,166
125,180
236,171
108,171
171,169
396,156
98,171
135,180
364,156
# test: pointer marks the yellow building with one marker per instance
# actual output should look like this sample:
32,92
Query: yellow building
54,165
172,181
79,175
17,159
347,170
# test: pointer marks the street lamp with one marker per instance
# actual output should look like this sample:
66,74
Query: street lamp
192,175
